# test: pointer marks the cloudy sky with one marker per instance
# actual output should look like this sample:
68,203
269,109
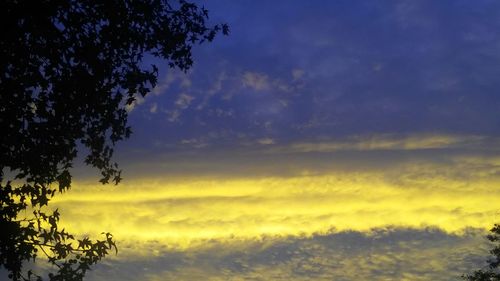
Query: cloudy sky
321,140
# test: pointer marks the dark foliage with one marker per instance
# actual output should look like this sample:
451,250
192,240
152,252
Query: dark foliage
492,272
68,69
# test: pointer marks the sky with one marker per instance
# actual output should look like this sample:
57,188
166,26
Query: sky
320,140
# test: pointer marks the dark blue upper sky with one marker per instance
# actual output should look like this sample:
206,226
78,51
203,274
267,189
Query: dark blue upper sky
314,115
313,70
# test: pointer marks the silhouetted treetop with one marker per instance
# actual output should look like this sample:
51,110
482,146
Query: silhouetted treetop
68,70
69,66
492,271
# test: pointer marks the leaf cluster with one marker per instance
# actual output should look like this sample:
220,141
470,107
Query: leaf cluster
68,70
41,233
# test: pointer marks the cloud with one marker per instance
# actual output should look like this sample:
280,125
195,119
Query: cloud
185,209
297,74
181,104
256,81
266,141
173,115
153,108
196,143
172,77
215,89
382,254
385,142
379,254
274,85
138,101
183,101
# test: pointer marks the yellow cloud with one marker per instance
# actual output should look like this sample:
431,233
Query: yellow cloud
189,212
383,142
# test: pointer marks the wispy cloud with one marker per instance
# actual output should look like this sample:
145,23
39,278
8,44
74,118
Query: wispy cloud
256,81
172,77
266,141
153,108
385,142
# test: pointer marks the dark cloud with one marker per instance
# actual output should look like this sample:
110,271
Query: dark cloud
382,254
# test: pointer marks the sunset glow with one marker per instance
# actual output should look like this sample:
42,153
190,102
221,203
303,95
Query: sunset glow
320,140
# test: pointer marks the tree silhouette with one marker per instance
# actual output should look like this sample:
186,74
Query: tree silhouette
68,69
492,272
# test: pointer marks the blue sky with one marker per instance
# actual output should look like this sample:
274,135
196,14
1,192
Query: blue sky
309,70
320,140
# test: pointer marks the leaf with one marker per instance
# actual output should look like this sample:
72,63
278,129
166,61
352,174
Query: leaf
69,70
